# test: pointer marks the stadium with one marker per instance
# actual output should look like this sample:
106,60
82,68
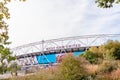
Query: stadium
52,51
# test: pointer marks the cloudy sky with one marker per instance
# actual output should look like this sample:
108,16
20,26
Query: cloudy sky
35,20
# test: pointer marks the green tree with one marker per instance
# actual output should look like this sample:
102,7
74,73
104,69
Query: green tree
5,53
112,48
72,69
106,3
91,57
13,68
108,51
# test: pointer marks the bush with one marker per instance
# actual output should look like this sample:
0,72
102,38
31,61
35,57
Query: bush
108,66
91,57
116,74
71,69
113,48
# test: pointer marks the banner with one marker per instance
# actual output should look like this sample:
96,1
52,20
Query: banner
45,59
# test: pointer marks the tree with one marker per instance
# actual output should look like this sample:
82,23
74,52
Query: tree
107,3
108,51
13,68
91,57
5,53
112,48
72,69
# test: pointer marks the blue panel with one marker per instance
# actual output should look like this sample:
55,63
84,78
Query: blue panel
41,59
76,54
44,59
51,58
38,59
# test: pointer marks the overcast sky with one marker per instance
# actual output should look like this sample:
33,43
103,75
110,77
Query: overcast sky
35,20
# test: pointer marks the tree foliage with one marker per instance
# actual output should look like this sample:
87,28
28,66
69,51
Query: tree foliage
5,53
91,57
72,69
113,48
106,3
108,51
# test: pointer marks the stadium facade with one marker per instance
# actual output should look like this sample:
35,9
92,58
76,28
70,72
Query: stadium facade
54,50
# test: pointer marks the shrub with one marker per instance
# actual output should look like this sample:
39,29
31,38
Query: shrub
108,66
113,48
71,69
91,57
116,74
